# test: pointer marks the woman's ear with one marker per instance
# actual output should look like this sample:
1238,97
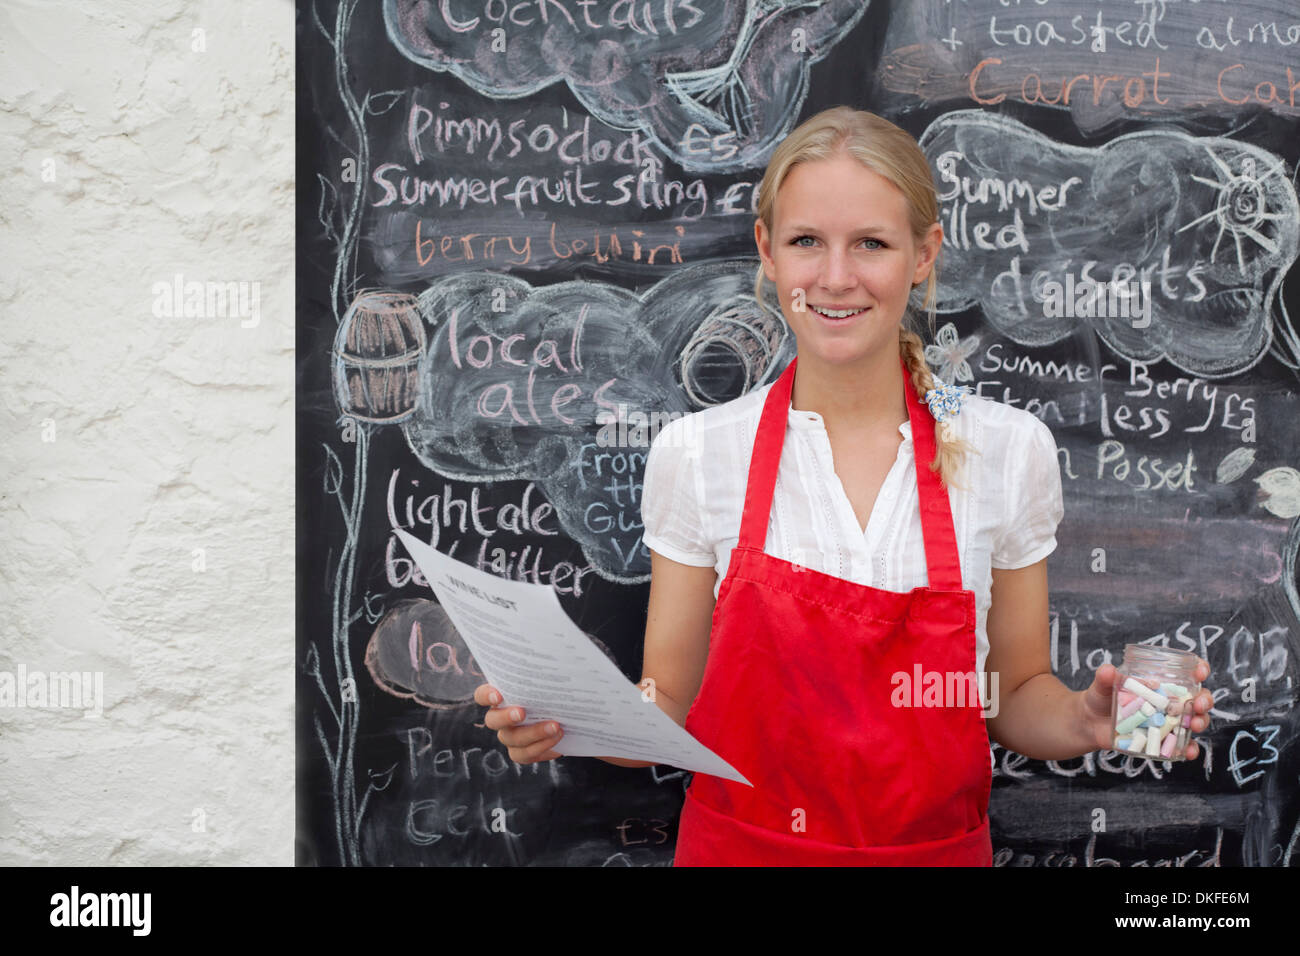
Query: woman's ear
763,240
928,252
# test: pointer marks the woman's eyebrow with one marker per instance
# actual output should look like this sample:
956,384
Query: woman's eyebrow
800,228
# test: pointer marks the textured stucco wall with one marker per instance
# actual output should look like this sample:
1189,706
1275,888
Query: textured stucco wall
146,460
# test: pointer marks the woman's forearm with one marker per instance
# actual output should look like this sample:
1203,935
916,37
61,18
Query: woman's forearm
1044,720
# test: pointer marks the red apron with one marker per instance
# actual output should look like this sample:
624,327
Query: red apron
799,695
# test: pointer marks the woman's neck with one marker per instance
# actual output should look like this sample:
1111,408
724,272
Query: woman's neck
864,395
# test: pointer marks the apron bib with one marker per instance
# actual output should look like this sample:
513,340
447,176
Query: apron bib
799,694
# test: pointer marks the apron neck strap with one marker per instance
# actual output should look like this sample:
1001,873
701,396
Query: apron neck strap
941,556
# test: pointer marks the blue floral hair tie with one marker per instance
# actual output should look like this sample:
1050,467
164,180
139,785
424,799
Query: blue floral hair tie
945,403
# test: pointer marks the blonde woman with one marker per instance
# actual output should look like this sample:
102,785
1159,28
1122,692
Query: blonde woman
827,543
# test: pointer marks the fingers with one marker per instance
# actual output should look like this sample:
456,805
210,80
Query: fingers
538,751
527,744
502,718
1109,679
1099,700
1201,706
1202,703
498,716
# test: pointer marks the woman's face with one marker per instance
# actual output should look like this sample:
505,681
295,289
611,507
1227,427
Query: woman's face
841,241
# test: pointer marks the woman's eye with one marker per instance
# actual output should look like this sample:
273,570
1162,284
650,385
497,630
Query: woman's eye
871,244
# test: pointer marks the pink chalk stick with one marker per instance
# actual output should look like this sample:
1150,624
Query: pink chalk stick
1125,697
1167,748
1187,720
1130,707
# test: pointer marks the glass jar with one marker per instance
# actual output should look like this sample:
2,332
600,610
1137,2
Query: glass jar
1152,709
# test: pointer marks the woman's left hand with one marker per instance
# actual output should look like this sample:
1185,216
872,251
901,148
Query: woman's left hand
1097,705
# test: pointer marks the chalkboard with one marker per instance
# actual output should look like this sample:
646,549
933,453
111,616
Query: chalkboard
521,222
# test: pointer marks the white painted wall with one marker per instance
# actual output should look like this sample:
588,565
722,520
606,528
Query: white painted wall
145,139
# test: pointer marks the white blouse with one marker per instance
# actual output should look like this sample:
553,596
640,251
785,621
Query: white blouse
1004,516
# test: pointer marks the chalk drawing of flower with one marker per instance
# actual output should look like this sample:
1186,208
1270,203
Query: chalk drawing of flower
949,352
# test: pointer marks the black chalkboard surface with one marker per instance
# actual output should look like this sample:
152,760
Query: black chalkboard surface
515,216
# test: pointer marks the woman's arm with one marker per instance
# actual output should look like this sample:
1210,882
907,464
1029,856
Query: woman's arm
1037,715
677,629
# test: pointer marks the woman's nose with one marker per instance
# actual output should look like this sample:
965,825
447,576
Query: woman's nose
837,270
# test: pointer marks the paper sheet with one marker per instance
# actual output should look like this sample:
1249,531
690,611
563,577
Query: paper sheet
540,660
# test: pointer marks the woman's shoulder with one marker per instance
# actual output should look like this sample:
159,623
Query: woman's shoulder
694,429
989,424
999,415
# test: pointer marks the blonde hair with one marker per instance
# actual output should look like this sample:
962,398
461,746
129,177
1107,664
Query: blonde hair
893,154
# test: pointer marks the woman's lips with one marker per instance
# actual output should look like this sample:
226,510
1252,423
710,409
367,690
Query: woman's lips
837,319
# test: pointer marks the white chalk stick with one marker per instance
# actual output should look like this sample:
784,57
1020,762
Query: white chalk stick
1157,700
1153,742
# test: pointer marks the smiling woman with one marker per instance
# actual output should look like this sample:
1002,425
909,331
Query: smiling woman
852,521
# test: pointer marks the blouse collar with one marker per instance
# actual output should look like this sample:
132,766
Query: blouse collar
811,421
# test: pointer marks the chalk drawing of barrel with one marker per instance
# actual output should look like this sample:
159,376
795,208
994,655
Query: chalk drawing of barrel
731,352
377,356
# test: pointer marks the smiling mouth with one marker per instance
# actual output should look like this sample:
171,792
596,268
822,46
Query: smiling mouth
837,313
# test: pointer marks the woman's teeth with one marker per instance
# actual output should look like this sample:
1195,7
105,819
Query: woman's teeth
836,313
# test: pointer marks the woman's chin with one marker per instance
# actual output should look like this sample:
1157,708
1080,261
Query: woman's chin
844,354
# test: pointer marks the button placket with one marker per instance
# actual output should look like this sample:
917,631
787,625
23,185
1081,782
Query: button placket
887,498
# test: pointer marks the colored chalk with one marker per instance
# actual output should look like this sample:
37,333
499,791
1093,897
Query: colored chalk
1129,723
1167,748
1152,717
1142,690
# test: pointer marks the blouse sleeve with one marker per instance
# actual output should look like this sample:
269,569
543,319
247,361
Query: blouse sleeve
1034,504
672,499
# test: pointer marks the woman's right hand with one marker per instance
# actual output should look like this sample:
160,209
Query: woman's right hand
531,744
